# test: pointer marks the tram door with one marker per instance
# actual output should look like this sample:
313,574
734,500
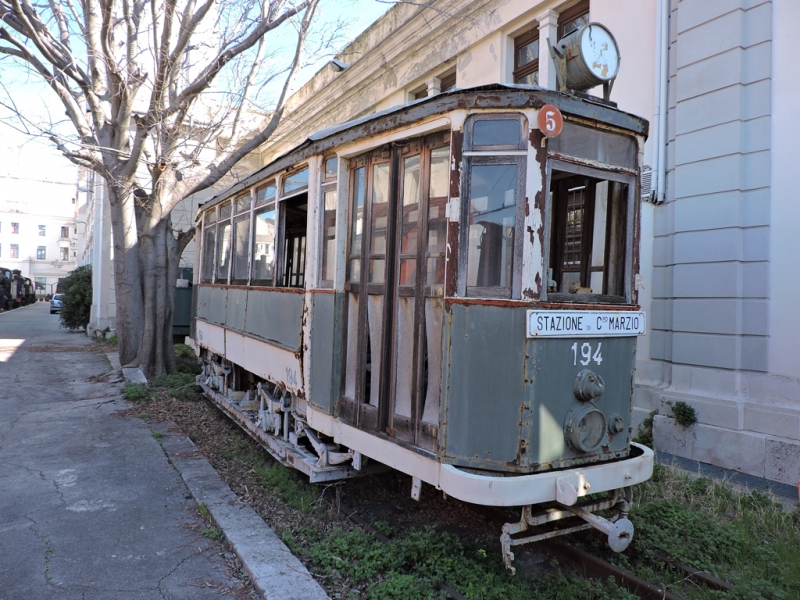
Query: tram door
395,280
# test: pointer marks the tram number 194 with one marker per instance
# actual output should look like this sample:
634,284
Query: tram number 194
586,355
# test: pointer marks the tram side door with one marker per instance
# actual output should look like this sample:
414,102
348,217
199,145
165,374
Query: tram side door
395,278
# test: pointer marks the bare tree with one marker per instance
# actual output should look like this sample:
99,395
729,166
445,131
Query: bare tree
150,89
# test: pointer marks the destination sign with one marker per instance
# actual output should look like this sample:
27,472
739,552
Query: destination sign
585,323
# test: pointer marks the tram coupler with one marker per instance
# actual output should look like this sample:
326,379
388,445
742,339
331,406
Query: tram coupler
619,530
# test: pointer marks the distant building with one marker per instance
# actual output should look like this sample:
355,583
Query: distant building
37,230
719,248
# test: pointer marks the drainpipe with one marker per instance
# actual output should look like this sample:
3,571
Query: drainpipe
662,82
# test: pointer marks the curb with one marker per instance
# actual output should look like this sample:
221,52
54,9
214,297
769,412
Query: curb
275,572
134,375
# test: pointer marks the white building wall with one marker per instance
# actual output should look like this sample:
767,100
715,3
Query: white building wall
32,203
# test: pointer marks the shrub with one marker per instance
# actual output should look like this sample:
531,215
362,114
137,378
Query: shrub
77,300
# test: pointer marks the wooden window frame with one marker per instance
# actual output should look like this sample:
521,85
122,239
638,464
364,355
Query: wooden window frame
447,81
521,40
570,14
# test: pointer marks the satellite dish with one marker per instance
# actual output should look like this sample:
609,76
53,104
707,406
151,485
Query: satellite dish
586,58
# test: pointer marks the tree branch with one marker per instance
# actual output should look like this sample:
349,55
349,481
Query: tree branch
228,163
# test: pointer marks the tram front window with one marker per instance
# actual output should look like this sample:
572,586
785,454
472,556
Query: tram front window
492,214
587,239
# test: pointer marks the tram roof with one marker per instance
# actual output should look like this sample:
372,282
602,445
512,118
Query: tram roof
503,96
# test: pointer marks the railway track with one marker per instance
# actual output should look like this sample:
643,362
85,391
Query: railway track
367,501
584,562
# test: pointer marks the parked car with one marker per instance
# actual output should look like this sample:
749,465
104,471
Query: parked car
56,303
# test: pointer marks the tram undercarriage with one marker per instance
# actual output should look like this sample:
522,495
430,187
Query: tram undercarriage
282,423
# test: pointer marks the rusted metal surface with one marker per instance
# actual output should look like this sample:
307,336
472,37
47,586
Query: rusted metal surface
702,577
453,234
495,96
535,304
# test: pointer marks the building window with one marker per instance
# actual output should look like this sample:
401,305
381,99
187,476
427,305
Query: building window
14,250
15,228
420,94
526,57
64,253
573,18
42,231
65,232
448,82
41,253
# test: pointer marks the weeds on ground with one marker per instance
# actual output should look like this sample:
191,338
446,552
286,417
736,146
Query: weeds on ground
746,538
408,567
212,533
183,351
181,386
136,392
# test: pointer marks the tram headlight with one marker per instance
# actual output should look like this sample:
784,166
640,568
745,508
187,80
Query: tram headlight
585,428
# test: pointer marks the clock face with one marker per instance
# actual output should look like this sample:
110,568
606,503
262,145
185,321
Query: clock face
599,51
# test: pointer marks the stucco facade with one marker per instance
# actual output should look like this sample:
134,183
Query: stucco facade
718,253
37,230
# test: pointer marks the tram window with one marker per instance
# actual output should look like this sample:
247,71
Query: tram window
496,132
295,182
357,225
409,221
294,218
331,168
380,217
595,144
264,245
438,192
265,194
224,244
492,220
588,239
328,235
209,231
241,247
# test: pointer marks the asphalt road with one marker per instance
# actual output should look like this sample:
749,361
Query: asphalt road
90,507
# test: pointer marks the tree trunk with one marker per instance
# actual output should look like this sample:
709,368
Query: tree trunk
156,355
127,280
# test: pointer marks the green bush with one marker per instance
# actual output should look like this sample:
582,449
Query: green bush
77,300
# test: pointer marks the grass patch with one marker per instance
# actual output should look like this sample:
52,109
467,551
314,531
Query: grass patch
410,566
136,392
158,435
746,538
144,416
181,386
212,533
202,508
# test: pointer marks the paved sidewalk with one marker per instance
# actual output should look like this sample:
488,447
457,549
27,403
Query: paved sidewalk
90,506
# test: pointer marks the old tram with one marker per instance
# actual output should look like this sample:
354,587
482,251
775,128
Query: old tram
443,289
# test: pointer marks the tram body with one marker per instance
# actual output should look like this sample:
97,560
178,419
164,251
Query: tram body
441,289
